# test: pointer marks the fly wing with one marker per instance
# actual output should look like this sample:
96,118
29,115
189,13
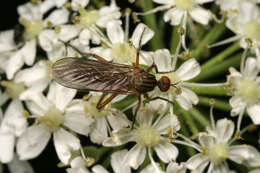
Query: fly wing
82,73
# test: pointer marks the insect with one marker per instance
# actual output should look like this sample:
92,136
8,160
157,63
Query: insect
101,75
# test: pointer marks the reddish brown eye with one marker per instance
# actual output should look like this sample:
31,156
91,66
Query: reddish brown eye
164,83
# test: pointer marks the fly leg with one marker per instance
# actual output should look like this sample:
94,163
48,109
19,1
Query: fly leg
155,98
156,69
108,100
136,110
138,49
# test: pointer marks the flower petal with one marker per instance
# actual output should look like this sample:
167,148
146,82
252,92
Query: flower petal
29,52
170,2
173,15
251,68
118,164
76,4
241,153
200,15
99,130
58,17
162,59
237,105
141,32
32,142
187,98
135,156
60,96
254,112
14,64
99,169
74,118
19,166
206,140
224,129
166,151
115,32
197,162
203,1
67,32
7,41
188,70
65,143
7,142
119,137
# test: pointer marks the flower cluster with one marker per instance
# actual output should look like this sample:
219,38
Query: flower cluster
179,42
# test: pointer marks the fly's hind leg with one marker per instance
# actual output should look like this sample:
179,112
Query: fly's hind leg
155,98
136,110
101,105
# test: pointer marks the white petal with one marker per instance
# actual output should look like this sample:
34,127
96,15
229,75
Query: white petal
221,168
119,137
203,1
143,31
99,130
46,6
74,118
135,156
7,41
115,32
253,156
146,58
241,153
173,15
99,169
117,120
58,17
188,70
35,77
29,52
197,162
29,11
187,98
162,59
117,162
65,143
170,2
237,105
224,129
251,69
254,112
7,142
200,15
173,167
206,140
76,4
166,151
32,142
14,122
168,121
59,3
18,166
14,64
68,32
60,95
37,103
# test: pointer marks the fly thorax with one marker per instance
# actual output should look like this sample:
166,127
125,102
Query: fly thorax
218,152
13,89
52,119
185,5
251,30
32,28
86,18
90,108
123,53
249,90
147,136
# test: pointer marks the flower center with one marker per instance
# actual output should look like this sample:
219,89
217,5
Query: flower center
52,119
185,4
13,89
91,110
88,18
218,152
251,30
249,91
123,52
32,28
147,136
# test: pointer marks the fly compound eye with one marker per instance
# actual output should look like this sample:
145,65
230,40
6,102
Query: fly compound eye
164,83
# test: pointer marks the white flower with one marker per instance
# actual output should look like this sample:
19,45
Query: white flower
215,147
51,113
232,4
246,86
171,168
118,164
103,119
147,135
78,165
181,8
120,50
13,125
188,70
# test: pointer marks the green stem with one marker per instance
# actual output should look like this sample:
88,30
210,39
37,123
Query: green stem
219,69
220,57
214,90
175,38
219,104
150,20
199,117
211,37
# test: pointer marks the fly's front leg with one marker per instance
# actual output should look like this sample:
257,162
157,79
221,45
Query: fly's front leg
138,49
108,100
155,98
136,110
99,58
